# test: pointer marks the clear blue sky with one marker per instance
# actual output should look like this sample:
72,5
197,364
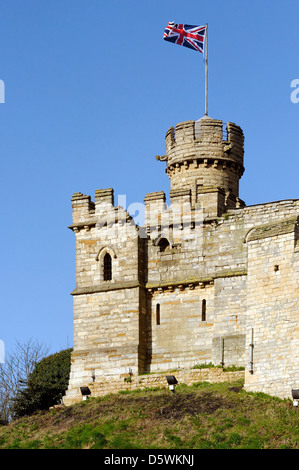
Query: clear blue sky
90,91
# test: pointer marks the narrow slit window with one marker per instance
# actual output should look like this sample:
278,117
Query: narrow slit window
204,310
107,267
158,314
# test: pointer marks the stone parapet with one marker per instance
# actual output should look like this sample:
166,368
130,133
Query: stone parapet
82,207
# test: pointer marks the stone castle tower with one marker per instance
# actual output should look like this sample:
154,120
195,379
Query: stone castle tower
204,166
206,279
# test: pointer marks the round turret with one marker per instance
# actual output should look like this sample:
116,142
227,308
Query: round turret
204,158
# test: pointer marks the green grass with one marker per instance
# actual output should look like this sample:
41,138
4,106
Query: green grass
202,416
210,365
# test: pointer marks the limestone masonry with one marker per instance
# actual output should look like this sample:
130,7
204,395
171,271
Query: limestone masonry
205,279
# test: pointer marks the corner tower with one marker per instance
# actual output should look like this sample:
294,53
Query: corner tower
204,162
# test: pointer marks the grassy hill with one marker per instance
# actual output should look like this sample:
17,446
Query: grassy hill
202,416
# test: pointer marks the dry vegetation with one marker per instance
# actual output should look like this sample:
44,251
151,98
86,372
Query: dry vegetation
201,416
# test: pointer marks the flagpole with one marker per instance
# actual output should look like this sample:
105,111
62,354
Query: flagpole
206,71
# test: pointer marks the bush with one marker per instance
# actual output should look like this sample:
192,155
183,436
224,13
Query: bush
46,385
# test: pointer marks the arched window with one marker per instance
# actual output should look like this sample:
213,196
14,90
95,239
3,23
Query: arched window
204,310
158,314
107,267
163,244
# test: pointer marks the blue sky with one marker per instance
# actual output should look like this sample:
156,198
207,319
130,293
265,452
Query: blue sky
90,90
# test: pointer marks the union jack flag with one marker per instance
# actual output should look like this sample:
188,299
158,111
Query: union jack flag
186,35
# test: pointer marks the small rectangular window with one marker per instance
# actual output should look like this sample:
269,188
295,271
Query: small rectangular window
158,314
204,310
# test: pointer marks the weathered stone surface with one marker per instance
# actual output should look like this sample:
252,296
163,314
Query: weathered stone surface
206,279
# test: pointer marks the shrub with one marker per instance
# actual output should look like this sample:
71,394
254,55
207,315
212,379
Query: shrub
46,385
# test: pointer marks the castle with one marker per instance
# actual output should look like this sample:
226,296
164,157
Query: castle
204,279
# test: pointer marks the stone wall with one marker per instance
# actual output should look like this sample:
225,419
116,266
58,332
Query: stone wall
126,382
272,313
180,336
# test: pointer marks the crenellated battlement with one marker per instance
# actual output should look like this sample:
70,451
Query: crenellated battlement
82,207
205,156
205,138
101,213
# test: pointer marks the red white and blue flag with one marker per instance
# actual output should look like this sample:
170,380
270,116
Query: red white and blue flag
186,35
